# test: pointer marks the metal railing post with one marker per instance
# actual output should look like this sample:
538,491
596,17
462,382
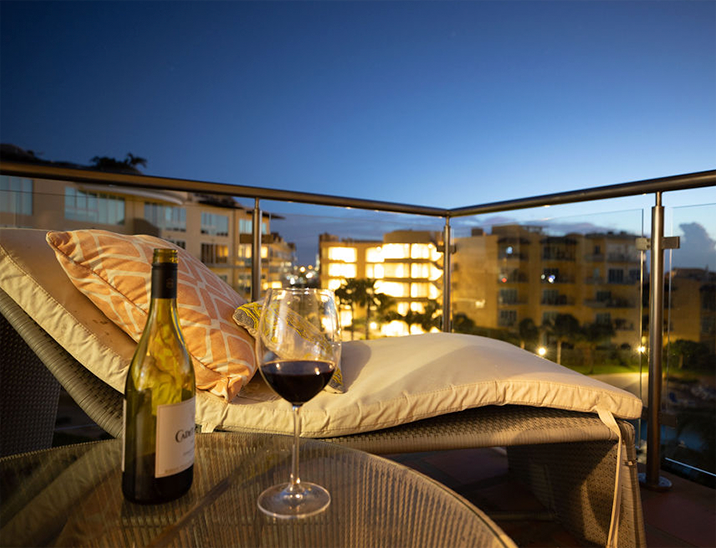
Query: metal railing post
256,252
651,479
447,323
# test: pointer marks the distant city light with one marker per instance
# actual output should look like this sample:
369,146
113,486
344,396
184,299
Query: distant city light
542,351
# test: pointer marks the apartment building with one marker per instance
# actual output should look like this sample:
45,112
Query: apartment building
406,264
214,229
691,306
518,272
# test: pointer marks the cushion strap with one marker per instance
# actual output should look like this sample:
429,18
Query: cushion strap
608,419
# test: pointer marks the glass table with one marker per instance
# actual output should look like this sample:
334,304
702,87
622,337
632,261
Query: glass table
71,496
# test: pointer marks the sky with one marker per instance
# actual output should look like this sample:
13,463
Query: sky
435,103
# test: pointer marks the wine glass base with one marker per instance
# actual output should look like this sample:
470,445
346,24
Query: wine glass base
301,501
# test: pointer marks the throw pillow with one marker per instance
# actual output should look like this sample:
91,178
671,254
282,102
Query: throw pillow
114,271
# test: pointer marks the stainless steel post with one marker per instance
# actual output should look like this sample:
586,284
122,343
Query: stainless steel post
256,252
447,317
652,479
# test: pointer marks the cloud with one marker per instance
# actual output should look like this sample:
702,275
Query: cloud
697,249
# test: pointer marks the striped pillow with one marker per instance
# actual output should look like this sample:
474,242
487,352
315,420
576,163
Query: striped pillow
114,271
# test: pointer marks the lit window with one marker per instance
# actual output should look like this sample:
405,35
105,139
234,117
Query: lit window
15,195
375,271
394,329
345,254
393,289
374,255
214,254
403,308
396,251
244,251
433,292
264,252
419,270
421,251
346,318
419,290
334,284
396,270
339,270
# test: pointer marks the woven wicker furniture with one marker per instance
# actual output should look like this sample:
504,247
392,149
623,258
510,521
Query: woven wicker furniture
567,458
73,498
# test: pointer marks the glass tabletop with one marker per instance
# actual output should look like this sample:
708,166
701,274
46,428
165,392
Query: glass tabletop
71,496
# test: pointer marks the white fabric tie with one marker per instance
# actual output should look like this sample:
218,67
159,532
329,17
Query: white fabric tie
608,419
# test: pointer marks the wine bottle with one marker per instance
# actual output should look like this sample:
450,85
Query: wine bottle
159,399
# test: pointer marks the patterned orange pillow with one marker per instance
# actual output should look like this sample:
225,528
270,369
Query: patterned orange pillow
114,271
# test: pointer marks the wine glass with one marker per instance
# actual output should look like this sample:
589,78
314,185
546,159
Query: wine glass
298,349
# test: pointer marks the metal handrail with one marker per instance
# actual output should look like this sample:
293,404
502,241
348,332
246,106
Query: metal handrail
648,186
40,171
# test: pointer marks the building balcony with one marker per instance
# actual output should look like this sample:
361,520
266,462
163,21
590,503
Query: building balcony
610,303
561,300
482,276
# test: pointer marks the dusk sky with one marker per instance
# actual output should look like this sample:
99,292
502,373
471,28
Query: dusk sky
432,103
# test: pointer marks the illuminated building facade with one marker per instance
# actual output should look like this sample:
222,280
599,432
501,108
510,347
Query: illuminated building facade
406,265
518,272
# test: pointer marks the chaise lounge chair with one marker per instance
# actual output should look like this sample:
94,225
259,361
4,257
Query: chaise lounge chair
579,463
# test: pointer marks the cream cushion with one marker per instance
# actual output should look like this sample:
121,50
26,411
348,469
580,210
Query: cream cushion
398,380
388,381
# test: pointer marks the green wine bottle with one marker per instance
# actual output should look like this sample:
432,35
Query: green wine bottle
159,399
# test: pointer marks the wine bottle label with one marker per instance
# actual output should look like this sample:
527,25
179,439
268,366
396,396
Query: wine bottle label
175,437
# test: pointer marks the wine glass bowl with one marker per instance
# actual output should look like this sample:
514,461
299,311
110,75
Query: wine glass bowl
298,346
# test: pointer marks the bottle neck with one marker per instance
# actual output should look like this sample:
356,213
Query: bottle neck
164,281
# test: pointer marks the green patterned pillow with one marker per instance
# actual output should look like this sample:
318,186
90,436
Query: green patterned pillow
248,315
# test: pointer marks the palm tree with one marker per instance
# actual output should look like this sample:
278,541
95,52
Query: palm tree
564,327
528,332
112,164
592,334
431,316
411,317
362,292
346,295
134,161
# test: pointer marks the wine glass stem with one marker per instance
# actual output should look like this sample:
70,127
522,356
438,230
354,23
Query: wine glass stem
295,480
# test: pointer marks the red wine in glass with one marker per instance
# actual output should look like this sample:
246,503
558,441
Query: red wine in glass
297,381
298,346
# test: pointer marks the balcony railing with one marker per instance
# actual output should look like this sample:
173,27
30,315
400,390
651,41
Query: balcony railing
557,251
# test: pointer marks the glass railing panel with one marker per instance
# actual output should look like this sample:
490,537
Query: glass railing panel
689,366
569,288
395,258
386,268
